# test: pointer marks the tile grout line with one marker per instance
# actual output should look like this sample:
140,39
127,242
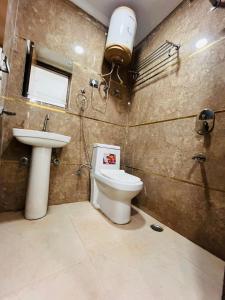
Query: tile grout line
37,105
170,120
34,282
16,162
86,250
176,179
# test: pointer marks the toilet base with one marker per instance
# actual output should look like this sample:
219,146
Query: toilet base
118,212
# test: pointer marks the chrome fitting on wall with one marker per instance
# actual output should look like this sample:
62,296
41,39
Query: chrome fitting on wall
56,161
24,161
94,83
205,121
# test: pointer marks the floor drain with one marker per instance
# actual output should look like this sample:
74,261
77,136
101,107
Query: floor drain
156,227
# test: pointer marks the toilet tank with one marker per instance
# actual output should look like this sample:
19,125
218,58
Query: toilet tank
105,157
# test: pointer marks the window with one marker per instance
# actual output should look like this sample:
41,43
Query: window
48,86
47,75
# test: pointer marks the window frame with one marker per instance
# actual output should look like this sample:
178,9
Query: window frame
27,72
59,72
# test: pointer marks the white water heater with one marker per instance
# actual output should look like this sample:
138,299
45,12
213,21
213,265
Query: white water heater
121,34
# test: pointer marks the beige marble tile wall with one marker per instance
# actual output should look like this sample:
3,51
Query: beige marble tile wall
8,39
187,196
59,26
8,42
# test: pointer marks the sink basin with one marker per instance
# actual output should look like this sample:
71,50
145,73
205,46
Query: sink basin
40,138
38,185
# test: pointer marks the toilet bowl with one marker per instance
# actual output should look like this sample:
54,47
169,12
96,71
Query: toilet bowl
112,189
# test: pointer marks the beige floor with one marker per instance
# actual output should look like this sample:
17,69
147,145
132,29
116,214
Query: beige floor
76,253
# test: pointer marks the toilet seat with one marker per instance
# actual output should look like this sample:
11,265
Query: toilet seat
120,175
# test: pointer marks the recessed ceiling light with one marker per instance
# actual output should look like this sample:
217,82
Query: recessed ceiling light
201,43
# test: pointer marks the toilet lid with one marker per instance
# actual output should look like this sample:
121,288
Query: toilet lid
120,175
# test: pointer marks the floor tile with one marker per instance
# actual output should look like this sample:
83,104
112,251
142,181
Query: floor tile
76,282
31,250
75,252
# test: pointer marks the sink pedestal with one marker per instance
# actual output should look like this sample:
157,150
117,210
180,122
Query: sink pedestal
38,185
37,192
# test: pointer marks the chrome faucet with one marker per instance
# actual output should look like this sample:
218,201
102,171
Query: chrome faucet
45,126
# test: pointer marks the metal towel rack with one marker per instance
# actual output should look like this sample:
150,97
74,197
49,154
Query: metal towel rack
154,64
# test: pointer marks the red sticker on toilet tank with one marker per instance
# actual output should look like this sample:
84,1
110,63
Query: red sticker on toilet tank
109,159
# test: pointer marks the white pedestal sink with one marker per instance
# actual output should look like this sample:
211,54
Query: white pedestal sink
38,186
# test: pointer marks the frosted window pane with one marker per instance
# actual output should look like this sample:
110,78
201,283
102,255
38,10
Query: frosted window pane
47,86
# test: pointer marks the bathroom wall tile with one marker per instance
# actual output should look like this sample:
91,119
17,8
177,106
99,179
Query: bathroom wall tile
195,212
72,188
10,25
100,132
188,23
17,65
114,109
168,147
165,148
75,27
197,79
66,186
72,27
29,117
13,150
13,185
198,83
49,32
35,24
8,39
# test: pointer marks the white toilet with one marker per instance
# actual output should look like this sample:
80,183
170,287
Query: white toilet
111,188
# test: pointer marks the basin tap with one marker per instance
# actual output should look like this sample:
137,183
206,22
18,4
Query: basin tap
45,126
